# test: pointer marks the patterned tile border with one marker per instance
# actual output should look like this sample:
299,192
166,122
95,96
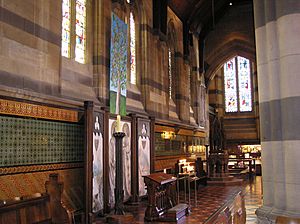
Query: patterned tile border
37,111
38,168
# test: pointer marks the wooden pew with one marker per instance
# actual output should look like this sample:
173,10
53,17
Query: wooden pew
39,208
30,209
286,220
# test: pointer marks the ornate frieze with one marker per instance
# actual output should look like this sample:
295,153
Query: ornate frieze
37,111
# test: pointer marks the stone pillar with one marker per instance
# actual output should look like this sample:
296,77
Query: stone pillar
277,30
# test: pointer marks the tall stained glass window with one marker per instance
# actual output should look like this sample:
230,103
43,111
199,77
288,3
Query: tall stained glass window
80,31
132,50
237,85
230,86
245,96
170,72
66,25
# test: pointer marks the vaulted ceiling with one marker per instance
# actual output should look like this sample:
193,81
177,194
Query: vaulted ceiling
202,15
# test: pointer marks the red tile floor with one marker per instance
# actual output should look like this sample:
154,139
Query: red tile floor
209,200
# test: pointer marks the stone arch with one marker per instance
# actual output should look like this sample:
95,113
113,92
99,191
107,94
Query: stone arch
226,52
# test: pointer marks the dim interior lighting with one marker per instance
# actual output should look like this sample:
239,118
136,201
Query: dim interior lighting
168,135
196,148
250,148
230,3
186,166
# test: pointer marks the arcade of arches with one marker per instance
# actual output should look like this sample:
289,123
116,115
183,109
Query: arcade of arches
101,100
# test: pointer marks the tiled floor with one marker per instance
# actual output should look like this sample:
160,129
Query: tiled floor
209,200
253,199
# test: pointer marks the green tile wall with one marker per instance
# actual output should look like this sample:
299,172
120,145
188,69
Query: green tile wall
168,147
25,141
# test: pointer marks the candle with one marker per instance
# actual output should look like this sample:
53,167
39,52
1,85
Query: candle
118,123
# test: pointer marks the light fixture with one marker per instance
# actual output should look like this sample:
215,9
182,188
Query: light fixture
168,135
230,3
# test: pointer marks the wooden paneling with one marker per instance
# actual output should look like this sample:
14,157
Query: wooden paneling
32,210
167,162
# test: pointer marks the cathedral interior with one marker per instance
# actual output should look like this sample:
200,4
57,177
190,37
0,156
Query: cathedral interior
140,111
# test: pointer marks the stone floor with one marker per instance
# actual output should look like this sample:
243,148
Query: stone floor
209,200
253,199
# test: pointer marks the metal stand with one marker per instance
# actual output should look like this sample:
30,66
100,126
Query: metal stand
187,178
194,179
187,189
119,192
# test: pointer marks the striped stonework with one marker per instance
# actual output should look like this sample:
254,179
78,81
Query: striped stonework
278,54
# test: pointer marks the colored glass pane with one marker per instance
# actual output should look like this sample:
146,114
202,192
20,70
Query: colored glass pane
132,50
230,86
245,98
80,31
170,72
65,41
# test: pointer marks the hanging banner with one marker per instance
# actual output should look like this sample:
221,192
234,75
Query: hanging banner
118,66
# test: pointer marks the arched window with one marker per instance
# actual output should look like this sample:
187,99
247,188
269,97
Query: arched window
132,50
170,73
79,30
66,25
172,40
237,85
80,45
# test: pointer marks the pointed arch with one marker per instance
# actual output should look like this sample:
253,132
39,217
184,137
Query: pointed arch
217,59
132,47
136,18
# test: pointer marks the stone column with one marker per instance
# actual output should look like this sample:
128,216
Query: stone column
277,30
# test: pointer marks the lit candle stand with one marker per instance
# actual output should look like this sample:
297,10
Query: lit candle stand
119,192
187,174
119,215
197,151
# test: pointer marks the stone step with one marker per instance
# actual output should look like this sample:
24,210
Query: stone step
175,213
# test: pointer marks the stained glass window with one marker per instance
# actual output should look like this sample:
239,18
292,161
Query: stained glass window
132,50
170,72
230,86
66,40
80,31
237,76
245,97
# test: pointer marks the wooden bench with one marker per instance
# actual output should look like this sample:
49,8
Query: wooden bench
286,220
30,209
39,208
177,212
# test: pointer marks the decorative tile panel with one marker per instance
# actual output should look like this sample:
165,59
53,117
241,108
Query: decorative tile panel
37,111
25,141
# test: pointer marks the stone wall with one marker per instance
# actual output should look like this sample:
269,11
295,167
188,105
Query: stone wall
33,70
